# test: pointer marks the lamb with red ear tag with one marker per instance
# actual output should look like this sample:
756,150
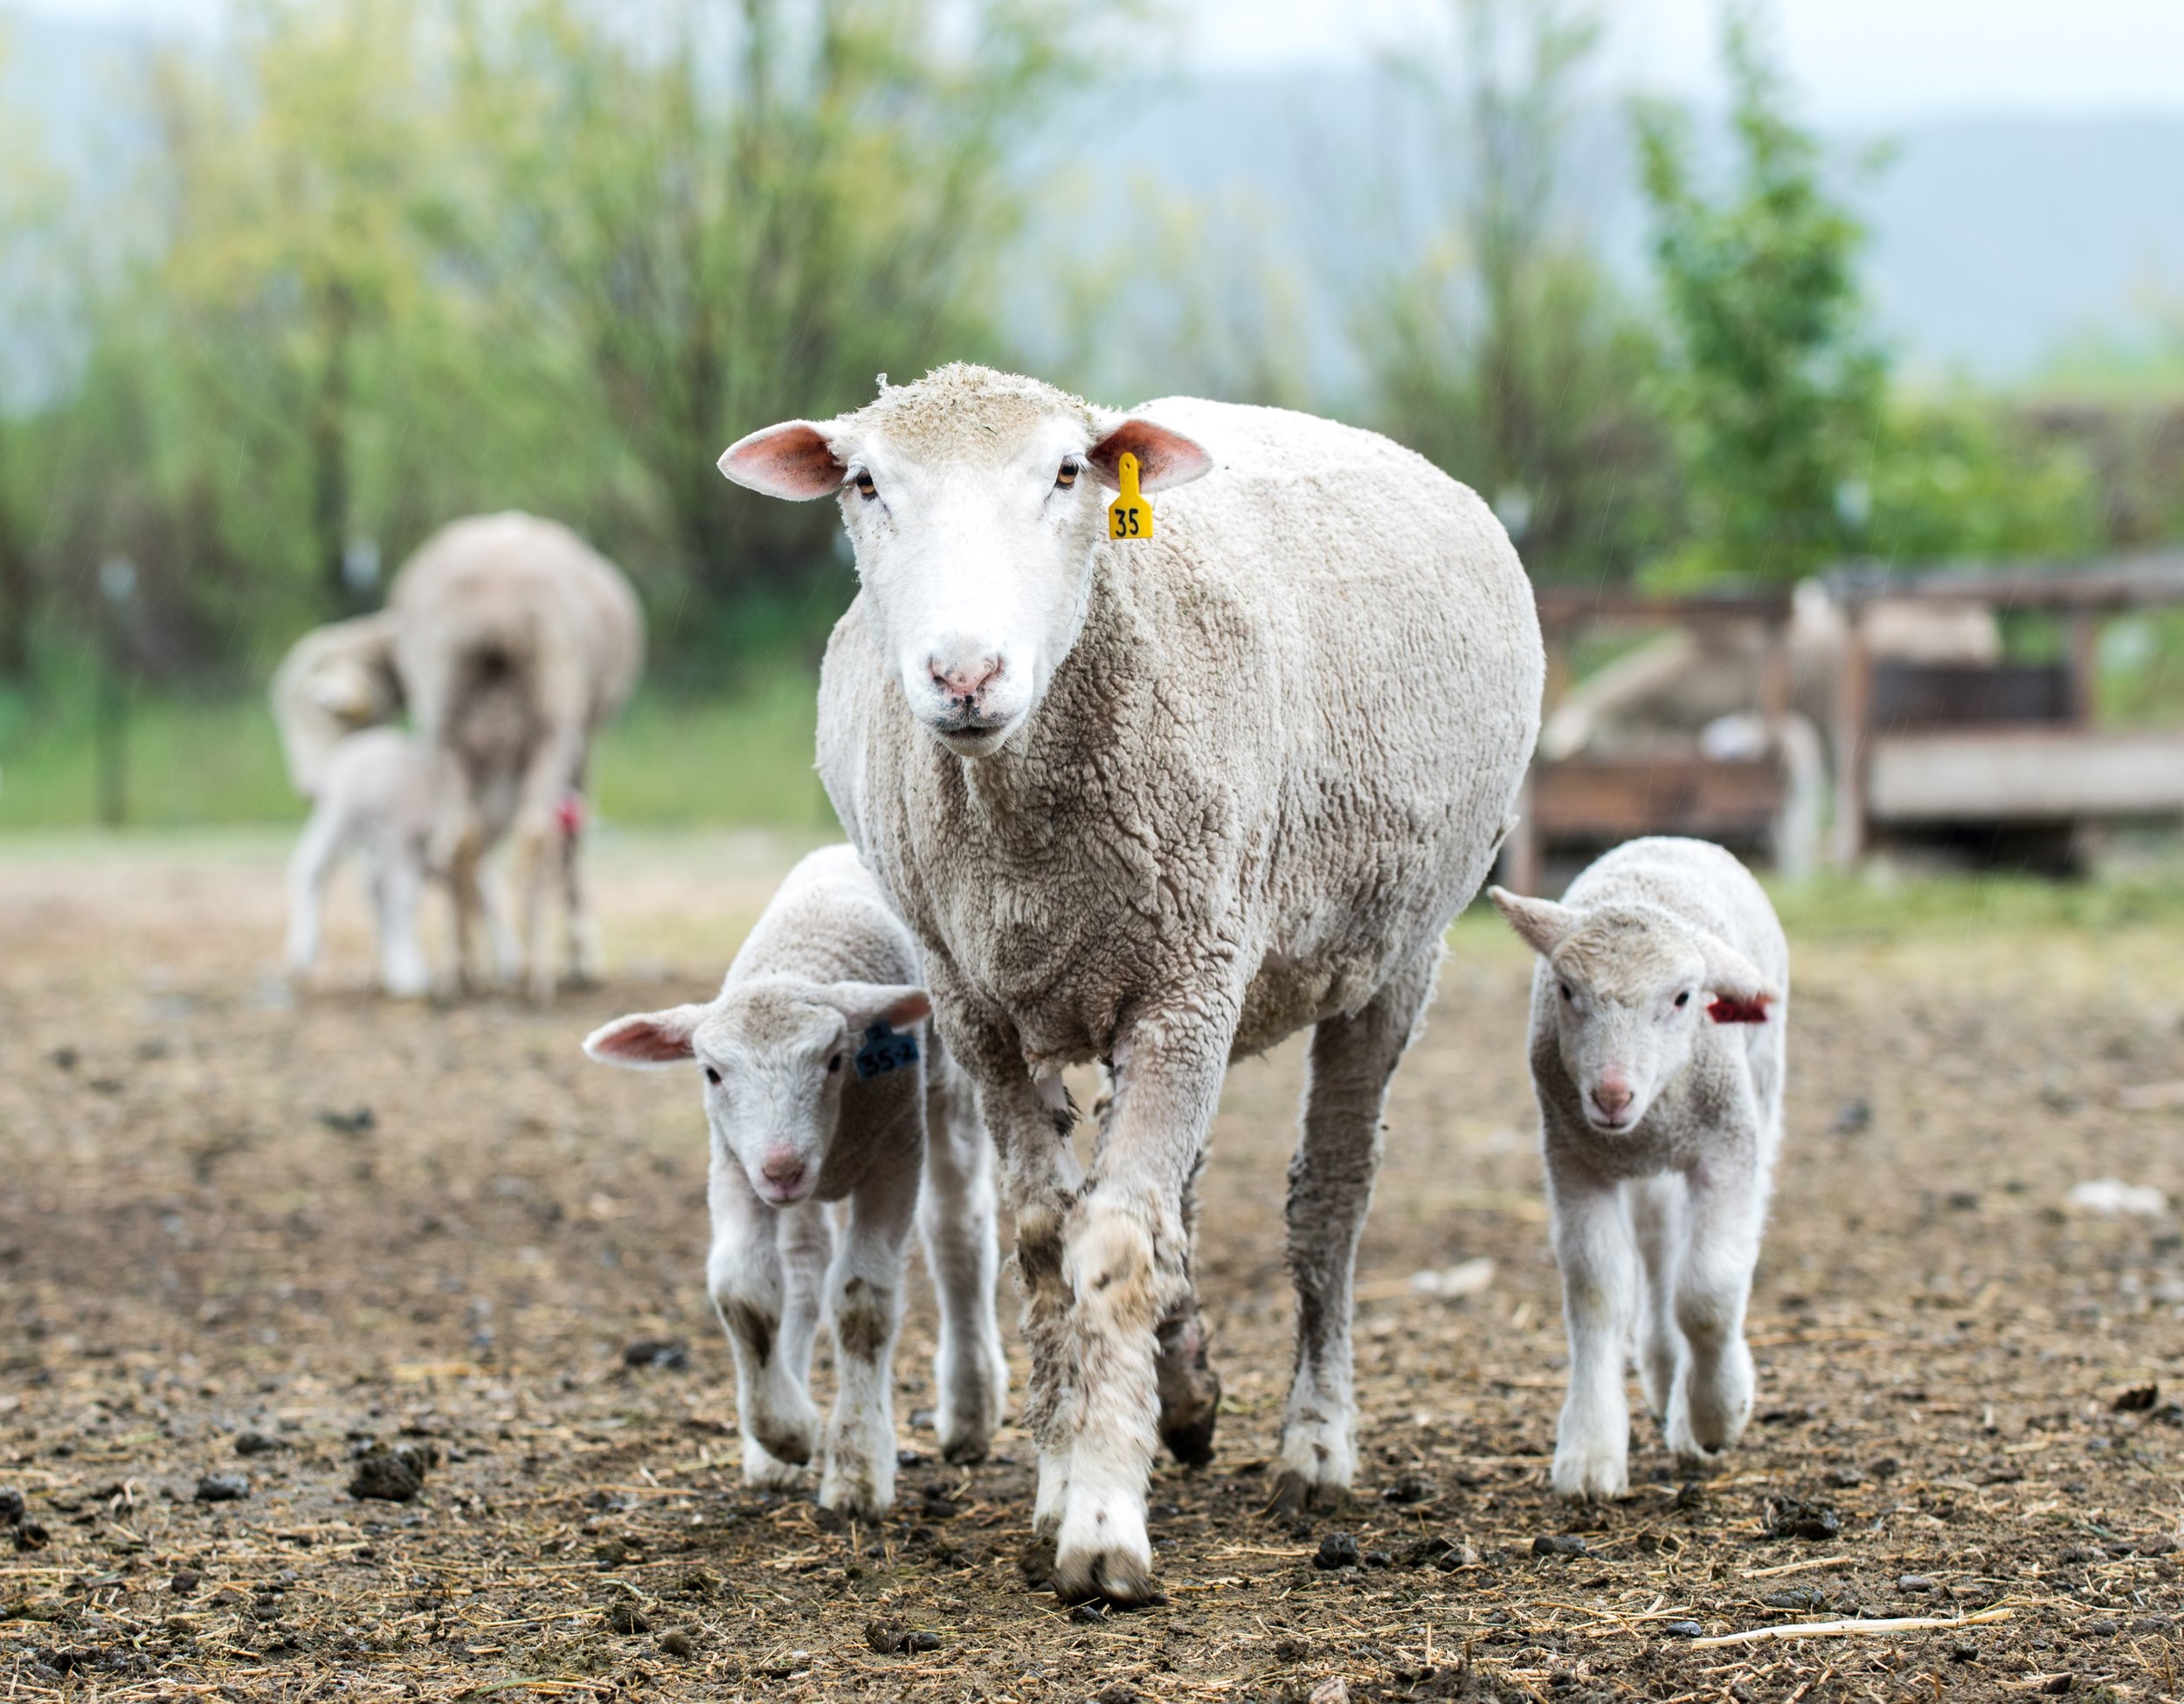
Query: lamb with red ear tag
821,1085
1659,1007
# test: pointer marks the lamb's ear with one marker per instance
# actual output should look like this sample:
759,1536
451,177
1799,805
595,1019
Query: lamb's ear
1741,992
645,1040
1541,922
896,1005
795,460
1165,458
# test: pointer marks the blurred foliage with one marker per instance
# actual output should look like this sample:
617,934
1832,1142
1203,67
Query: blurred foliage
1505,355
1774,388
387,262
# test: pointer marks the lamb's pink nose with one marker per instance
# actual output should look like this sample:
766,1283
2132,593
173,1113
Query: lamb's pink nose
784,1167
1611,1094
966,680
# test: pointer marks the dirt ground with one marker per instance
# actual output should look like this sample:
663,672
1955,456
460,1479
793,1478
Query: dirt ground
245,1237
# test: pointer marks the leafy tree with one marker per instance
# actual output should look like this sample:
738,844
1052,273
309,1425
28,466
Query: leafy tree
727,221
1503,354
1775,387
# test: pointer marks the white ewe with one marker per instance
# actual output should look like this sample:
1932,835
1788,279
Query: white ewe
1658,1017
1160,803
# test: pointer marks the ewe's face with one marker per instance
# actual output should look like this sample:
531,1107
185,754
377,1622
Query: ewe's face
1627,1008
976,502
772,1068
977,571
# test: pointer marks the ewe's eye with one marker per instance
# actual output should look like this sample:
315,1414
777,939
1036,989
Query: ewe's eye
865,488
1683,999
712,1076
834,1064
1066,477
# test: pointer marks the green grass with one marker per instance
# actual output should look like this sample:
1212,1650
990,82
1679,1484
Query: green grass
739,761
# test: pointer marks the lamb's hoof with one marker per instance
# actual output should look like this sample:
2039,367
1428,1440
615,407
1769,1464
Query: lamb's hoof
859,1499
763,1471
964,1451
1191,1443
1102,1551
1295,1491
794,1442
1591,1476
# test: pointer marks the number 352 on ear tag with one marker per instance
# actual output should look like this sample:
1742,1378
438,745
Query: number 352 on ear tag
1130,515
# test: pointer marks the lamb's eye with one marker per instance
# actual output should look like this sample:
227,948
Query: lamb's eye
834,1064
865,488
712,1076
1566,995
1066,477
1683,999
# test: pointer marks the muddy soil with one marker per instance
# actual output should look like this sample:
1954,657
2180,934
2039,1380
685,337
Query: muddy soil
257,1248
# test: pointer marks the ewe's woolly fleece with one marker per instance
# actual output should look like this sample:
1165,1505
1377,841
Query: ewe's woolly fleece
531,589
1276,763
826,923
1623,939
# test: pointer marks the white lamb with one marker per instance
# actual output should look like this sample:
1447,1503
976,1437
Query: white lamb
1658,1017
1159,802
821,1085
402,805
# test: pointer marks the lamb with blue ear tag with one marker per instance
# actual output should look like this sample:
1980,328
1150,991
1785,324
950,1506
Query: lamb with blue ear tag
831,1119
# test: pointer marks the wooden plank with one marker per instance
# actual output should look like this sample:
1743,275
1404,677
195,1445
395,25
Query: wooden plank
1601,798
2127,582
2024,775
1569,607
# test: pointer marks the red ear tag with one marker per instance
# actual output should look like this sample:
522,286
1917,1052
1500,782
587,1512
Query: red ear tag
570,814
1738,1011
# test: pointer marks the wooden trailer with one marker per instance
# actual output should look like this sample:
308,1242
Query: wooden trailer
1925,748
1584,804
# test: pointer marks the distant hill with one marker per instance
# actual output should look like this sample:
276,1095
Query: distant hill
1996,239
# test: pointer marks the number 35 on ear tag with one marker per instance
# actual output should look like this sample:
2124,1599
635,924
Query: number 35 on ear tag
1130,515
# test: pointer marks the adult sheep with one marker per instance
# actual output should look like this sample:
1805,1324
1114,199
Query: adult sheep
1159,803
516,641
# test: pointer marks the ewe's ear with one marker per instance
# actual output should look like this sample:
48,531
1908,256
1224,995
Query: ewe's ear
1741,992
795,460
1165,458
896,1005
1541,922
645,1040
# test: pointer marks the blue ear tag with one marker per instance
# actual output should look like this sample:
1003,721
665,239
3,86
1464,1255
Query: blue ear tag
885,1050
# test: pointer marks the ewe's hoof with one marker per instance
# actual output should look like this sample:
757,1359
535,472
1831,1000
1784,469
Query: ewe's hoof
964,1451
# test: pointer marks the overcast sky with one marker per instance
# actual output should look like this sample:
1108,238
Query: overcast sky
1854,60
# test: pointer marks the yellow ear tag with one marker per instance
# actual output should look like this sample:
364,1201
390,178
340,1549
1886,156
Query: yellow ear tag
1130,515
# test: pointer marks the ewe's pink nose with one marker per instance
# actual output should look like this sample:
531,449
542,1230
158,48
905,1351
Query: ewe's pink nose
1611,1094
965,681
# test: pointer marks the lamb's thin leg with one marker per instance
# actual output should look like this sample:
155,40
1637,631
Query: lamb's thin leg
466,897
403,971
864,1305
760,1277
957,1215
537,844
1656,1211
1712,1397
1124,1266
1330,1187
309,866
1593,1246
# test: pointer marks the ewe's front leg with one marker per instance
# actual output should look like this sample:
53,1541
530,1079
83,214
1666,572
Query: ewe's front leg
864,1303
1330,1189
956,1214
1593,1247
764,1282
1712,1397
1123,1264
1031,1122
